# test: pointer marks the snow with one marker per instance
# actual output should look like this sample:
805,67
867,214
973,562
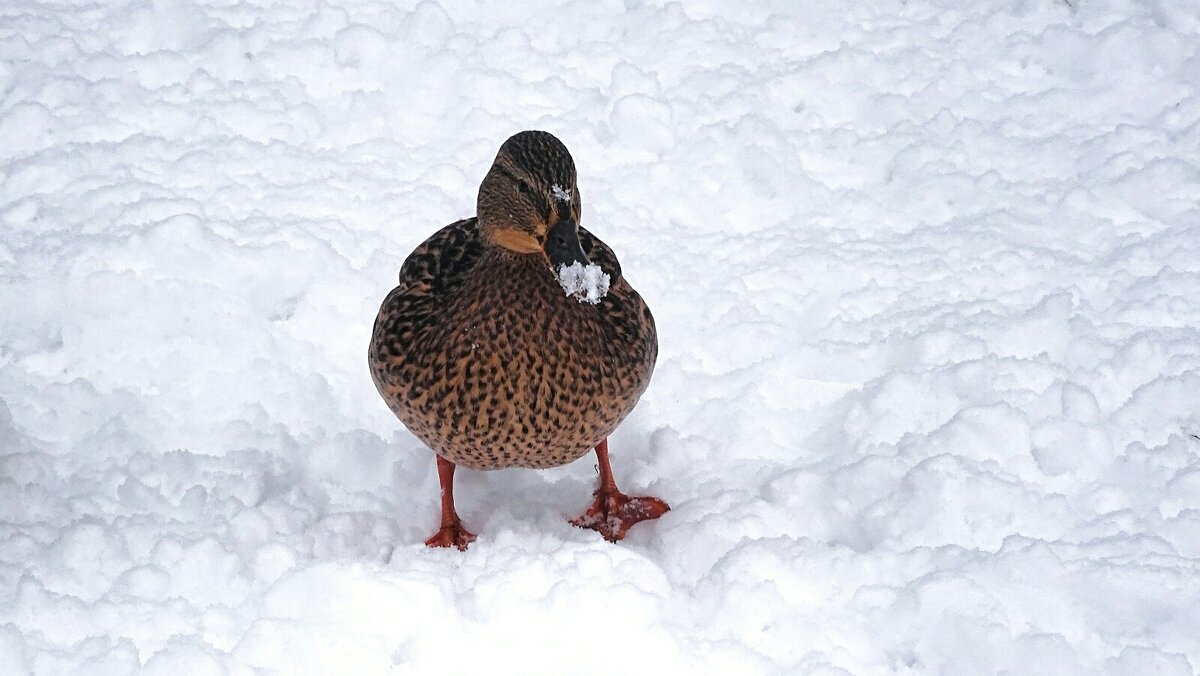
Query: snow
924,275
560,193
586,283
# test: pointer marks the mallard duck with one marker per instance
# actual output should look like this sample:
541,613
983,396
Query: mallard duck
502,346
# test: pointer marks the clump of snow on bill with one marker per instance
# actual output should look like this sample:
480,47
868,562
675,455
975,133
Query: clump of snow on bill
586,283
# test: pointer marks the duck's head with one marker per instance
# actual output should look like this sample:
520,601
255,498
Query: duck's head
529,203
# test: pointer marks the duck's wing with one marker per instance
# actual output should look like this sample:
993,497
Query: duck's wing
599,253
440,263
431,271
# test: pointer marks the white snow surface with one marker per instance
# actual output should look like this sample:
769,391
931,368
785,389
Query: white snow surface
586,283
925,276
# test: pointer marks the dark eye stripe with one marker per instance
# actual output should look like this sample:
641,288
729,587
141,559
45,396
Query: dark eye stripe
539,201
535,198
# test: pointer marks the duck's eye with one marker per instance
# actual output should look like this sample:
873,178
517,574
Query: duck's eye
523,186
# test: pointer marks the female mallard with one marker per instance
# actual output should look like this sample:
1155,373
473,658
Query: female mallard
500,347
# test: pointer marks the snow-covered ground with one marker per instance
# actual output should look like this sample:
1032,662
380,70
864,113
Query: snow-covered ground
927,282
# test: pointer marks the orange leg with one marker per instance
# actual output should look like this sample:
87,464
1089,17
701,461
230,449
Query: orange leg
452,533
613,513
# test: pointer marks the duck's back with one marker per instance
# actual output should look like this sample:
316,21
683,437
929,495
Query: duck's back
484,358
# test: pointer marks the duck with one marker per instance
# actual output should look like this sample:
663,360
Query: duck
514,340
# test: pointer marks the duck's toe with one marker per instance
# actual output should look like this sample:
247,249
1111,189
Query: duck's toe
451,535
613,513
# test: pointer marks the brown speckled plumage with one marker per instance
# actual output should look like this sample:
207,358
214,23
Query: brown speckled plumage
481,354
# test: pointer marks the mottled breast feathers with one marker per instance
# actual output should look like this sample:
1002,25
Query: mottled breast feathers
485,358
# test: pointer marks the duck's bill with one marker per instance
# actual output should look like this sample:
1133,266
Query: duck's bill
562,245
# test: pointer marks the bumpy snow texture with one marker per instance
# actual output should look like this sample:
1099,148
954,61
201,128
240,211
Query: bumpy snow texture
925,275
